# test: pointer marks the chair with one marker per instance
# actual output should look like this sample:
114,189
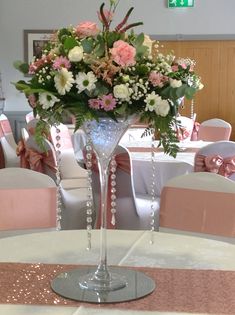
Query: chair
29,117
214,129
184,128
69,167
132,210
199,202
27,200
8,144
217,157
73,191
135,133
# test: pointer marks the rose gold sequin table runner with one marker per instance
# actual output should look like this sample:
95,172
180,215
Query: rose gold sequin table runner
178,290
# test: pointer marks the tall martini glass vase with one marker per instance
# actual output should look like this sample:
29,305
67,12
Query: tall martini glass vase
104,135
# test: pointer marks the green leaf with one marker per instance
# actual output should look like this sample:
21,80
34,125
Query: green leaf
63,34
100,49
181,90
112,37
141,51
70,43
121,110
21,85
87,44
142,70
189,92
139,40
21,66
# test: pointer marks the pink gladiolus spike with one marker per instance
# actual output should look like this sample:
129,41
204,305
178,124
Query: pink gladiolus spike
120,25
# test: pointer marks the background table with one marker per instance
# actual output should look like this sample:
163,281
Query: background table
125,248
165,166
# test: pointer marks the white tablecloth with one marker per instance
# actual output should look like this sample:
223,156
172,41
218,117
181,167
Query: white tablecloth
165,166
132,134
125,248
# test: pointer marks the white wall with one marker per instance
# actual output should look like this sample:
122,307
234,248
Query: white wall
212,17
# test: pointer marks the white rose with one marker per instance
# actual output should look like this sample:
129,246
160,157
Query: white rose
121,91
175,83
76,54
162,108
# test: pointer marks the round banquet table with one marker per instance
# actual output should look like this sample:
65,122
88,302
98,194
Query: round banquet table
125,248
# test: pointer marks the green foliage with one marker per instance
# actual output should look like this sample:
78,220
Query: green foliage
21,66
88,45
70,43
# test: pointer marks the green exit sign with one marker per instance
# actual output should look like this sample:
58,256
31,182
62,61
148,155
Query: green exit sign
180,3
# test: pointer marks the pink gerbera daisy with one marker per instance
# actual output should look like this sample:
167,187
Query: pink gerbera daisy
94,103
107,102
61,62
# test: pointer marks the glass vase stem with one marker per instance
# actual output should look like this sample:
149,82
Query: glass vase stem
102,270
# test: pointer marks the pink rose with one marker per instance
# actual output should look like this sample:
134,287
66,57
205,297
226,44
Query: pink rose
87,28
123,53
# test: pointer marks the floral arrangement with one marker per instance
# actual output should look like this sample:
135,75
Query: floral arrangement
87,71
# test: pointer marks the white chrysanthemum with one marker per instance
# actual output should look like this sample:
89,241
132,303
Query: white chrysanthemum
47,100
63,81
154,102
151,101
85,81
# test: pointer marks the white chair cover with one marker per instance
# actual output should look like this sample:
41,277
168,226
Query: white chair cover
132,210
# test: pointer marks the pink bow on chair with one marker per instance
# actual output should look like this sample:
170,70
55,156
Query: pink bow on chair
182,133
38,160
196,127
21,151
215,164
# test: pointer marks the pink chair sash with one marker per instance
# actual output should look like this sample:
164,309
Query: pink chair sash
38,161
198,211
123,163
212,133
196,127
6,127
27,208
21,151
215,164
182,133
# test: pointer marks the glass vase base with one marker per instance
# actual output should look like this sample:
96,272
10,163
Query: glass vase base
91,282
136,285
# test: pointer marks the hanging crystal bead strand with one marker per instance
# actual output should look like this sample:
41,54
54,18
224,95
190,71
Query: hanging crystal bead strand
153,192
113,167
58,179
192,109
89,204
